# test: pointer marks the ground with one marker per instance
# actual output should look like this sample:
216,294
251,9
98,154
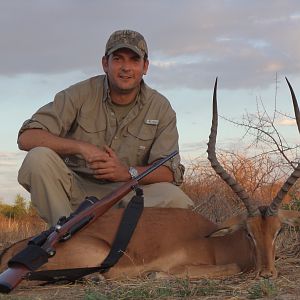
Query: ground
241,286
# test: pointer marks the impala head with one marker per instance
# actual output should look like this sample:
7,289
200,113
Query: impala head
262,224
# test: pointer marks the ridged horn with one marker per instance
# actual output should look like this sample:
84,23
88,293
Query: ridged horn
211,150
274,206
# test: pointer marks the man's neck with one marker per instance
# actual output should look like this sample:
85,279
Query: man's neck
123,98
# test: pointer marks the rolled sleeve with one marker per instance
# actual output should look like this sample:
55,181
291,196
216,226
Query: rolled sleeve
166,142
55,117
178,170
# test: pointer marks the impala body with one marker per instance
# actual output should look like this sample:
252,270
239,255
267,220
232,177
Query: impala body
167,241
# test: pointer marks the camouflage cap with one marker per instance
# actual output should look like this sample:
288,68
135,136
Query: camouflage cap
127,39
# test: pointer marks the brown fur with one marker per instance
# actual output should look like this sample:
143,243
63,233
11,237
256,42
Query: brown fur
165,239
171,241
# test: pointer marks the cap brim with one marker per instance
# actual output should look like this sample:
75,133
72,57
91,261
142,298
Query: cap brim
120,46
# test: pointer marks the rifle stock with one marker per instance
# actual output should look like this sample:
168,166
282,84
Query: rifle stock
12,276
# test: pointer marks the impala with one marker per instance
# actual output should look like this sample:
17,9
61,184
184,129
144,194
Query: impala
180,242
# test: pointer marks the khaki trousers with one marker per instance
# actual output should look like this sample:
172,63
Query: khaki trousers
56,190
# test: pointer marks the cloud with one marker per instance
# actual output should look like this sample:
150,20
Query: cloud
244,42
286,122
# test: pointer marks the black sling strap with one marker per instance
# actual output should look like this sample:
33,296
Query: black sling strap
125,230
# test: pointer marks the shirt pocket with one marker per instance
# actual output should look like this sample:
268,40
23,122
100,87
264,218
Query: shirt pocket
91,130
140,138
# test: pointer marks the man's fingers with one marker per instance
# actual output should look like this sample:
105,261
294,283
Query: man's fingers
101,165
94,158
110,151
107,174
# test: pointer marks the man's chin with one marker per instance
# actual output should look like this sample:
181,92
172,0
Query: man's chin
126,88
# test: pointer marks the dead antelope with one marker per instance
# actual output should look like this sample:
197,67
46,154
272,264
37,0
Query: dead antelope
180,242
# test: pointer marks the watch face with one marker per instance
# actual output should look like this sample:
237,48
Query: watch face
133,172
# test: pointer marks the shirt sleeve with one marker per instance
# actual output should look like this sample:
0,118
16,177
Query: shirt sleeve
166,142
56,117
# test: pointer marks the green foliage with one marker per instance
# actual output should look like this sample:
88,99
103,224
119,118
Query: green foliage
20,208
263,288
294,193
294,204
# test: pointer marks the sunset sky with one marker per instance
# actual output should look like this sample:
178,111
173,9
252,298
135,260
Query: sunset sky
48,45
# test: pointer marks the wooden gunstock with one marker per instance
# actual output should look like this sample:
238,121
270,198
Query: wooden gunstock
11,277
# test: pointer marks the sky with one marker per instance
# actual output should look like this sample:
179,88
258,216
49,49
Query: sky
47,45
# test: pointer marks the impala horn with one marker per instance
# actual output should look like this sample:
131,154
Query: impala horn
274,206
211,150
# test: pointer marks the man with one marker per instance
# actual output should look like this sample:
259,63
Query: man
101,132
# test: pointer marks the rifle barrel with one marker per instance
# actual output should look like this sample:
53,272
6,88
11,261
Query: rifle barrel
155,165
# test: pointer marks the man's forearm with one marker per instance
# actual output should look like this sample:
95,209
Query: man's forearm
162,174
32,138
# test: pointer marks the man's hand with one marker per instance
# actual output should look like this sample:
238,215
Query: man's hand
106,165
92,153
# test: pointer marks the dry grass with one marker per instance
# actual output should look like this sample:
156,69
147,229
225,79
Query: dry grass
16,229
241,286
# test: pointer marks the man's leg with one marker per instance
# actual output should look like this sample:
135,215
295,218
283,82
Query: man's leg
156,195
162,194
51,183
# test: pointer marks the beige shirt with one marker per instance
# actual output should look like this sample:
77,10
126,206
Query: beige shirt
84,112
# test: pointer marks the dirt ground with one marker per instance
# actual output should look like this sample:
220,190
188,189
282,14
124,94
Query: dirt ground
242,286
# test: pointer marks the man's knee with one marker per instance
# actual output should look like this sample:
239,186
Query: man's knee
165,194
37,161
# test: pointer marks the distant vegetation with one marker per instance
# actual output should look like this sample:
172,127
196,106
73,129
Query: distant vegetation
18,221
19,209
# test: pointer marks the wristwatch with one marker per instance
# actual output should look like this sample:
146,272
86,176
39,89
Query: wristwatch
133,172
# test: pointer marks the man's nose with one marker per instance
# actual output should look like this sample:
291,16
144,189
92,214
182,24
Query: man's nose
125,66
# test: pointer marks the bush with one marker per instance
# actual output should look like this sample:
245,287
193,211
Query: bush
19,209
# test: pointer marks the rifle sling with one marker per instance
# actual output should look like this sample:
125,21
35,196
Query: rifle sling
125,230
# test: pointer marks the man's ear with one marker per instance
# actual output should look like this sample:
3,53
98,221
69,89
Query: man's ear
227,230
146,65
105,63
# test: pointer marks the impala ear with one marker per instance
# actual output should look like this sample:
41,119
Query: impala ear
226,230
290,217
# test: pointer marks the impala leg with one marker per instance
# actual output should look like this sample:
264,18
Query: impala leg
201,271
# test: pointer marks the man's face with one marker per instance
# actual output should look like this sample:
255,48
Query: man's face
125,70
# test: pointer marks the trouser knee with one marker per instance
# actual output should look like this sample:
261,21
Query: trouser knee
37,162
162,194
166,194
49,181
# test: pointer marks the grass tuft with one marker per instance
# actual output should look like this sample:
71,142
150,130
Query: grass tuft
262,288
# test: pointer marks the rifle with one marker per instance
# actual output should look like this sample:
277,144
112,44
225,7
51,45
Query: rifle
44,247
